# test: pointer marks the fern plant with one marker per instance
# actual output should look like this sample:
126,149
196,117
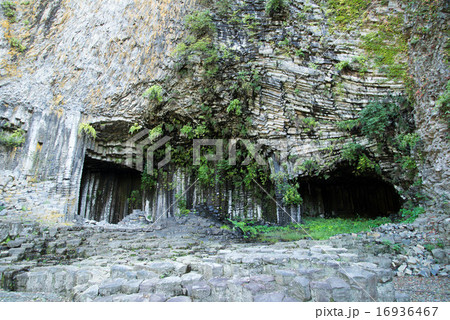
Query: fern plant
154,93
87,129
275,6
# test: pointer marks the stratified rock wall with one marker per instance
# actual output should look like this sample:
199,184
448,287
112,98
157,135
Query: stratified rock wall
90,62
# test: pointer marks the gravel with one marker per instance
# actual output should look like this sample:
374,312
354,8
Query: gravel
420,289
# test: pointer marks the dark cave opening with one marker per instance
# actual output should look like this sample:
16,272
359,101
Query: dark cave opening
349,196
106,191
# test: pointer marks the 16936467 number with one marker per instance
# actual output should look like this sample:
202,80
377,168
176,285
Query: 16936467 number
404,311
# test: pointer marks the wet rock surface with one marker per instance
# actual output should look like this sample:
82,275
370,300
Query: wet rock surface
192,258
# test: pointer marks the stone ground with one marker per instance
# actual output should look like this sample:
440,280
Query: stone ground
194,258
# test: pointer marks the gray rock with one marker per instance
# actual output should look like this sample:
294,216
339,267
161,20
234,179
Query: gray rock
162,268
119,271
299,289
148,286
170,286
180,299
131,286
90,293
284,277
190,278
157,298
199,291
320,291
270,297
130,298
402,297
340,290
15,243
440,255
111,287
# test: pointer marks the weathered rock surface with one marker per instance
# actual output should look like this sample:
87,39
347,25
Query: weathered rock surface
176,263
87,62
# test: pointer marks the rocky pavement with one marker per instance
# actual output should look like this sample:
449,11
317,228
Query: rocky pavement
195,259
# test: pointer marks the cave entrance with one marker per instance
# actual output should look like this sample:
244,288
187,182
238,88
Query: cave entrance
349,196
108,191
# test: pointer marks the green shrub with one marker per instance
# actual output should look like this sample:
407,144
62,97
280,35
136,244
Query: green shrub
87,129
292,196
9,9
200,23
352,151
309,124
342,65
377,118
187,131
310,166
248,231
347,12
235,106
155,133
410,215
349,125
154,93
135,128
275,6
17,44
12,140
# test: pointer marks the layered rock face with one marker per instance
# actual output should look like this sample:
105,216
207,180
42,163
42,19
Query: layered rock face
89,63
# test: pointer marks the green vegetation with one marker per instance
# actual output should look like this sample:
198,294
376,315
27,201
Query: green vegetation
135,200
311,167
235,106
347,13
320,228
134,128
2,208
342,65
443,104
155,133
87,129
12,140
9,9
275,6
309,124
409,215
291,195
312,228
17,44
200,23
199,43
393,247
181,204
154,93
349,125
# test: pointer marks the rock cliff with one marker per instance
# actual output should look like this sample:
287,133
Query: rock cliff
294,82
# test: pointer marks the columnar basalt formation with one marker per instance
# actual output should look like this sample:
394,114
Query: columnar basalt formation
90,62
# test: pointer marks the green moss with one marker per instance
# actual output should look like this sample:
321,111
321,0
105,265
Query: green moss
347,13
